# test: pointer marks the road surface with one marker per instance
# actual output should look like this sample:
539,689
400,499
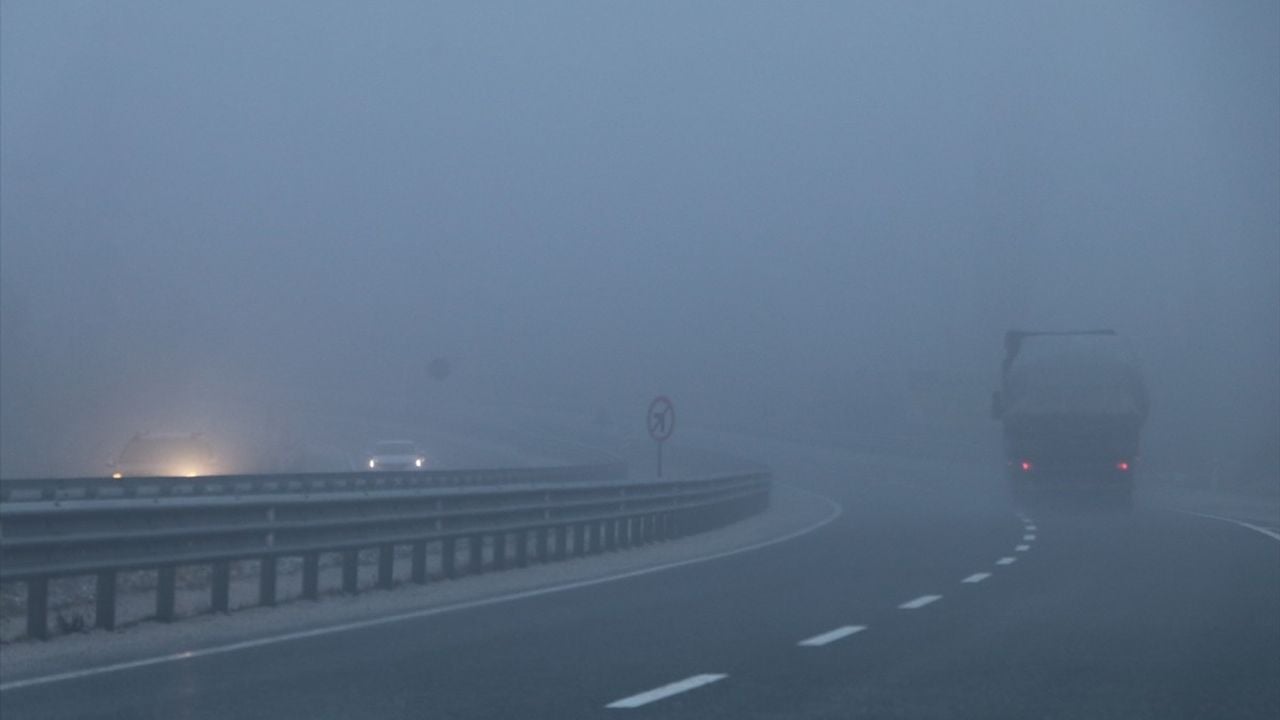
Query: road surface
929,596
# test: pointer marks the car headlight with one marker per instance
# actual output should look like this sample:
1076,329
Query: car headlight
116,476
418,462
372,463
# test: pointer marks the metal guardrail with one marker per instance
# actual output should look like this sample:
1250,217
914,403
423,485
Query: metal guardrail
547,514
33,490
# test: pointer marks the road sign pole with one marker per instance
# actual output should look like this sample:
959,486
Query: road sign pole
661,420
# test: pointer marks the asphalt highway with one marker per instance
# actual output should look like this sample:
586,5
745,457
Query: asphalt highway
929,596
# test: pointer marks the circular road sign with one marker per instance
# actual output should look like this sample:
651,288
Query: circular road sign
661,418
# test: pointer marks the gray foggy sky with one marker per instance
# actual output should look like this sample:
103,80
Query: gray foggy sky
741,204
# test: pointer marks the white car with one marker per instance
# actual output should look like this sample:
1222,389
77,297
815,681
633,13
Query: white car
396,455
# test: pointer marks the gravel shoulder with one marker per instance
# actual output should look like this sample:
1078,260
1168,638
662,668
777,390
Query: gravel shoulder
792,511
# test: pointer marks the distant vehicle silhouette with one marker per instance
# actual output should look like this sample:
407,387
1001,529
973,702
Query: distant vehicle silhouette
1072,405
161,455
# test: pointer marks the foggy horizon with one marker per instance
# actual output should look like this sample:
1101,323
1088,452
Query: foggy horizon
817,215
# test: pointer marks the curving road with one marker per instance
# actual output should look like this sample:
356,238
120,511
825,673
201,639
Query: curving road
928,596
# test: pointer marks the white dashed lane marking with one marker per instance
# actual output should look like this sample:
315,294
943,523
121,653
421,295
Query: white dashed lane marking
1028,537
1022,548
1006,561
976,578
919,602
832,636
666,691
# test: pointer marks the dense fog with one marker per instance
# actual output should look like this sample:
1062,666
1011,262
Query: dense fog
804,218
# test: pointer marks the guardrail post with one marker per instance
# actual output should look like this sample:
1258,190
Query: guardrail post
599,535
562,542
267,581
311,576
166,590
221,586
386,566
611,534
541,537
449,557
500,551
38,608
350,571
580,539
105,615
476,564
418,570
522,548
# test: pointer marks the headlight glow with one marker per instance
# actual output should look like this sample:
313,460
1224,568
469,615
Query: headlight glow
116,476
418,462
372,463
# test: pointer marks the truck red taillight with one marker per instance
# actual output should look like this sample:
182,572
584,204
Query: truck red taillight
1025,465
1123,466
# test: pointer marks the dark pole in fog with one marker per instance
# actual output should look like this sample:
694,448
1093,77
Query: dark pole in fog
661,422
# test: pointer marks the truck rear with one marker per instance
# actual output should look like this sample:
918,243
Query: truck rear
1072,405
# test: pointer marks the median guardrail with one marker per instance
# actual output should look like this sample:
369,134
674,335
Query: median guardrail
78,528
93,488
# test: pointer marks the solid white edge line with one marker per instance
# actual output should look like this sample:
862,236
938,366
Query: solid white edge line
1241,523
919,602
1022,548
976,577
836,510
831,636
1006,561
666,691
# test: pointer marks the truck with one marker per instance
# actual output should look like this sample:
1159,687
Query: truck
1072,406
